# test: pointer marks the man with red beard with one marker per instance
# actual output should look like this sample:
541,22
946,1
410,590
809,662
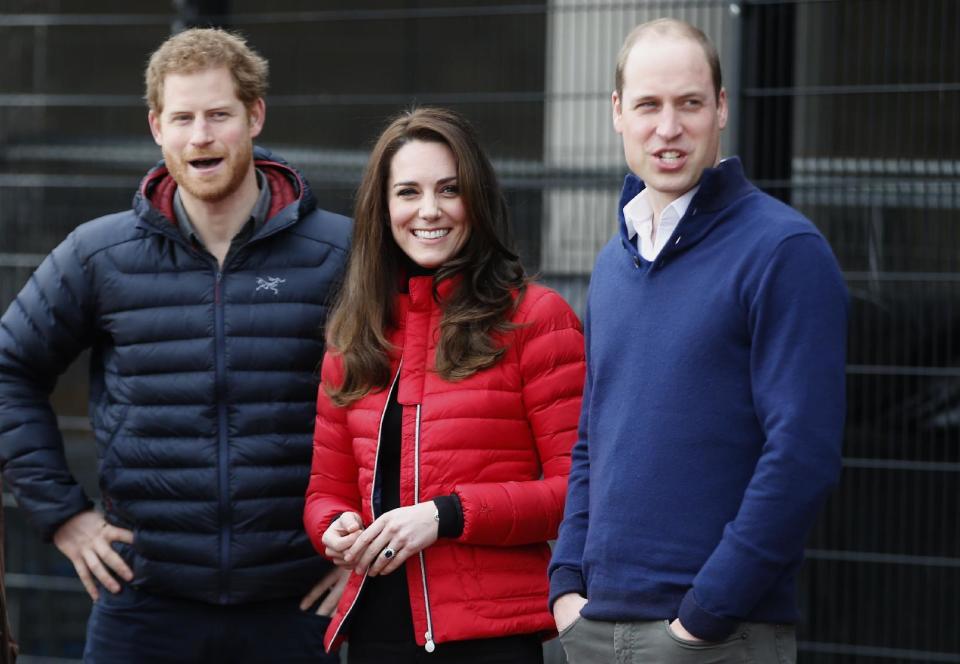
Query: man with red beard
203,307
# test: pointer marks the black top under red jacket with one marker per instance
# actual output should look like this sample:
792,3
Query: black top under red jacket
202,388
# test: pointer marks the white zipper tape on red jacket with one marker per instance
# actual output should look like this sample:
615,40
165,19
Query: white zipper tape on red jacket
430,646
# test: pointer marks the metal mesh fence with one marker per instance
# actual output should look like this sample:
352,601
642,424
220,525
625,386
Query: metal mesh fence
846,109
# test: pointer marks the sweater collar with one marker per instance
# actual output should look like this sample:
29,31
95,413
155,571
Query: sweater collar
719,188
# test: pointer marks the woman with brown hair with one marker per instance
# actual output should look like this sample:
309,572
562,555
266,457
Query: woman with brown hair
448,406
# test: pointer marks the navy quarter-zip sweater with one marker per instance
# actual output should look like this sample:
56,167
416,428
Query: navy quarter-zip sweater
712,415
202,388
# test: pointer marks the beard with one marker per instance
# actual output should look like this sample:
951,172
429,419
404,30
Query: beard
211,190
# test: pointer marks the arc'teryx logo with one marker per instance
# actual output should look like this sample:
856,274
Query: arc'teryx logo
270,284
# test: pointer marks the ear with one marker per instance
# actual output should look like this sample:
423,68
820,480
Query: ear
722,108
154,121
257,115
617,108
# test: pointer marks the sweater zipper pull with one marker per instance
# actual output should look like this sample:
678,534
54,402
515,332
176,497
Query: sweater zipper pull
430,645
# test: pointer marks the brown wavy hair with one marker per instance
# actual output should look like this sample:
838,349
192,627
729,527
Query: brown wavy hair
198,49
489,269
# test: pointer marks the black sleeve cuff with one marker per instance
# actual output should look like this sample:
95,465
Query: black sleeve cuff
451,515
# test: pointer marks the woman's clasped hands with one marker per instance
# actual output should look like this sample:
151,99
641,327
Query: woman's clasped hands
386,543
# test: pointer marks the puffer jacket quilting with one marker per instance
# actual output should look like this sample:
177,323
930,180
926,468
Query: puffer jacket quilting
500,440
202,388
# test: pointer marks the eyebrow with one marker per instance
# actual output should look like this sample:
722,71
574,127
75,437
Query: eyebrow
191,111
411,183
683,95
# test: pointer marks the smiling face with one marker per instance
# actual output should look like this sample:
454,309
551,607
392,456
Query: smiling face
428,217
669,115
206,134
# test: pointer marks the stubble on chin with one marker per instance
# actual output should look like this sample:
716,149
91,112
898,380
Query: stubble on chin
211,191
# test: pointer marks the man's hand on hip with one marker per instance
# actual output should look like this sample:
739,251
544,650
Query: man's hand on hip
566,609
86,540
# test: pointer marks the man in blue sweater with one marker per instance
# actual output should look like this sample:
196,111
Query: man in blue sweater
203,308
714,400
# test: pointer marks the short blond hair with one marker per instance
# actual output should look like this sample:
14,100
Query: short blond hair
676,28
199,49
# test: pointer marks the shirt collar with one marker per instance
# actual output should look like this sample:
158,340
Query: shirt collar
638,212
258,214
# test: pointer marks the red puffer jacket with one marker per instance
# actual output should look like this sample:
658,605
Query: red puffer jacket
499,439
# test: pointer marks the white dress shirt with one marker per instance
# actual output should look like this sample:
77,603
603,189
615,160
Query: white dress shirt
639,217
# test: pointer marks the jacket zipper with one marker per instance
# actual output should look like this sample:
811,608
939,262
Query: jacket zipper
430,646
223,456
373,488
223,445
220,390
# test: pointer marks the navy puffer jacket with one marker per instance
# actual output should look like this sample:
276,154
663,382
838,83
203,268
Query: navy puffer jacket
202,388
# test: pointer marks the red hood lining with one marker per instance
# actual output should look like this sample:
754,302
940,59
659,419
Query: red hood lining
160,187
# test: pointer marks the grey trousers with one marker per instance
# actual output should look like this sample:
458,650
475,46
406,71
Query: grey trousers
652,642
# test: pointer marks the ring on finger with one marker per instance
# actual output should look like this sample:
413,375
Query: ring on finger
389,553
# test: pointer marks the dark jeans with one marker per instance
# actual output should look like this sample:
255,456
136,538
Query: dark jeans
525,649
136,626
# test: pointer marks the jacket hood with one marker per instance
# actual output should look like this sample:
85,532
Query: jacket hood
719,188
289,192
